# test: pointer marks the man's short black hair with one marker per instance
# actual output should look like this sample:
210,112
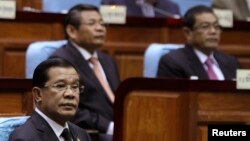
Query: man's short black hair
73,15
189,17
40,76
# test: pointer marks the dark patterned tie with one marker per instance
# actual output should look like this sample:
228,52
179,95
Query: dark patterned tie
66,135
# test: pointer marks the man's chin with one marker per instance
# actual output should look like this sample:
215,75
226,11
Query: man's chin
212,45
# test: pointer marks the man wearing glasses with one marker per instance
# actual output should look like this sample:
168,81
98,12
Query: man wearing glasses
56,90
86,32
199,59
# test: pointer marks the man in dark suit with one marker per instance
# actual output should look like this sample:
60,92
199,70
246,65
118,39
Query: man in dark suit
85,31
199,58
56,90
148,8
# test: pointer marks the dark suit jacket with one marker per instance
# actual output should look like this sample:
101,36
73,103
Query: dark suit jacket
37,129
134,10
95,108
183,63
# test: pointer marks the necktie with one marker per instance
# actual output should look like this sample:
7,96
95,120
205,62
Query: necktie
99,75
210,71
66,135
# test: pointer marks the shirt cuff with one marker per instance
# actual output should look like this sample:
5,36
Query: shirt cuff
111,128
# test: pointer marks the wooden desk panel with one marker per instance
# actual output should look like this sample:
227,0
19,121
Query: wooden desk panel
15,97
210,102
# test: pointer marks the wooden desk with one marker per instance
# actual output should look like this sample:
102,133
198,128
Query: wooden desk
126,43
208,103
15,97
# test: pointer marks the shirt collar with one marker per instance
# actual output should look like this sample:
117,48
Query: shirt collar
57,128
203,57
86,54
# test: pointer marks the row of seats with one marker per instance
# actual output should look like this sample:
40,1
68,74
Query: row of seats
40,51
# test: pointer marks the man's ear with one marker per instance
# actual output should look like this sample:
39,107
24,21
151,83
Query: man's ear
187,32
37,94
71,31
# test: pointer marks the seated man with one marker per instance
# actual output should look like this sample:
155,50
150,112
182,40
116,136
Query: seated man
86,32
56,90
199,58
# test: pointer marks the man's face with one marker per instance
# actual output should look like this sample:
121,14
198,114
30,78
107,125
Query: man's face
206,31
91,31
60,95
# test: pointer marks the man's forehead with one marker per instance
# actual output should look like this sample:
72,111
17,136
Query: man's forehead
90,14
206,17
55,72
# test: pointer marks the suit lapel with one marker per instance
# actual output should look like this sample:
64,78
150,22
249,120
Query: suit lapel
43,127
222,66
84,68
82,65
195,63
108,70
73,133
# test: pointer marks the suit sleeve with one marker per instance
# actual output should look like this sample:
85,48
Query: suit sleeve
91,120
169,68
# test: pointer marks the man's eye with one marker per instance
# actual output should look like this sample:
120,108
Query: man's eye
75,86
205,26
60,86
90,23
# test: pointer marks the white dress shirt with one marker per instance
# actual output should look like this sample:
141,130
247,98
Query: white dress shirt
202,57
57,128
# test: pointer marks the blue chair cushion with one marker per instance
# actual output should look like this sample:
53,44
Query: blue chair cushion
38,52
8,124
152,57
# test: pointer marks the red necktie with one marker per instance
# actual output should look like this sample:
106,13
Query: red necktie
210,71
99,75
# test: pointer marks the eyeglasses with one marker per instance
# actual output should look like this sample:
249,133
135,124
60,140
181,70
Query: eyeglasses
62,87
94,23
207,26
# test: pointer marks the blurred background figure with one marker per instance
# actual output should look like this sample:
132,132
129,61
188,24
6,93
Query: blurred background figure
240,8
148,8
62,6
86,32
200,57
152,8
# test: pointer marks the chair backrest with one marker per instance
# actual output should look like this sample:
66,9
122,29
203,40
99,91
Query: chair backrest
62,6
8,124
38,52
152,57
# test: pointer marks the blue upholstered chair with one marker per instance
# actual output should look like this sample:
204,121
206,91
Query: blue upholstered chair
152,57
38,52
8,124
62,6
